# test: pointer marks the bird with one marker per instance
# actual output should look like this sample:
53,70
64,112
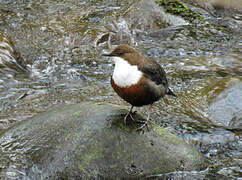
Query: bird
137,79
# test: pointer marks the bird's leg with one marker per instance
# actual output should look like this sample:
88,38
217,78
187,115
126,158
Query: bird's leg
145,123
129,114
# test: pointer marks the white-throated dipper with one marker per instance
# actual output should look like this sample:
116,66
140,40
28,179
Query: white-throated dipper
136,79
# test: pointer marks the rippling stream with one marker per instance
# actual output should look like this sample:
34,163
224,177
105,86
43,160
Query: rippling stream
62,41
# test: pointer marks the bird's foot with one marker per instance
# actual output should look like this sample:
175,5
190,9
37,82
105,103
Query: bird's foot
145,124
140,121
129,114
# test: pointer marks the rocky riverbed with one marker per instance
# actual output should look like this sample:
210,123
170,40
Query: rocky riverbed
60,44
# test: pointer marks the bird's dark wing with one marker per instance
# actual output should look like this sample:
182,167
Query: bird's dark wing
153,71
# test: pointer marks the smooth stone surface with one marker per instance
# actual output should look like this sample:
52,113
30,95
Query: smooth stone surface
227,107
90,140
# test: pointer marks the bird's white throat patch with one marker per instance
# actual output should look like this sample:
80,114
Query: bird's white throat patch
125,74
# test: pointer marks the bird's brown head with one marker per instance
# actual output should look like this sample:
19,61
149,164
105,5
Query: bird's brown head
127,53
121,51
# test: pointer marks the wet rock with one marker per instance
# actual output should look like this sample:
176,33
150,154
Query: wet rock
10,58
142,16
236,121
150,15
226,109
179,8
89,140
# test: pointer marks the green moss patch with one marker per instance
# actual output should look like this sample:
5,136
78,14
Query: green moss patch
177,7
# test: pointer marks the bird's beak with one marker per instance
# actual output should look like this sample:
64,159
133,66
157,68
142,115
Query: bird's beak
106,55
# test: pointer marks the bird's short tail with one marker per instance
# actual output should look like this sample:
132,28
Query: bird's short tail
171,93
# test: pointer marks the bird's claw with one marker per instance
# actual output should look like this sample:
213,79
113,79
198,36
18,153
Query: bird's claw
145,124
129,114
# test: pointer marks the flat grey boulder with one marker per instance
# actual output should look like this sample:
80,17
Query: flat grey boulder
90,141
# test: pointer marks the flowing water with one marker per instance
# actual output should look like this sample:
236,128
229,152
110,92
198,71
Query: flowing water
62,43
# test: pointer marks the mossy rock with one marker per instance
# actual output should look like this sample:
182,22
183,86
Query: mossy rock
89,140
177,7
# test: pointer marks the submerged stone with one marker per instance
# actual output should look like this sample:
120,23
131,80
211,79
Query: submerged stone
90,140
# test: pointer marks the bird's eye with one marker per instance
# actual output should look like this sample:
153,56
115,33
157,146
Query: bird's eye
120,52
